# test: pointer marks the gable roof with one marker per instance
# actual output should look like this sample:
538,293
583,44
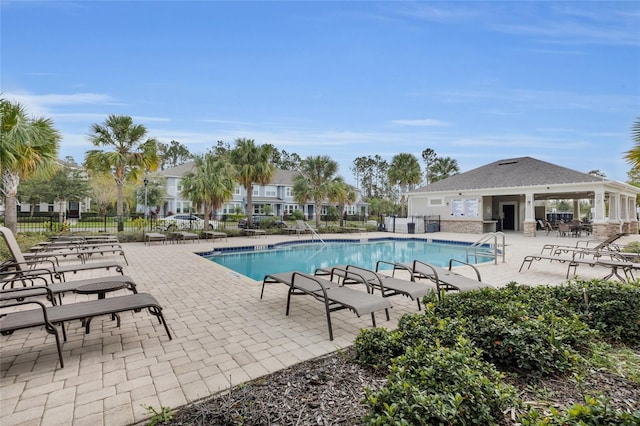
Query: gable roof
509,173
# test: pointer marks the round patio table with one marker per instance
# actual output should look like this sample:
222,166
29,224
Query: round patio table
101,289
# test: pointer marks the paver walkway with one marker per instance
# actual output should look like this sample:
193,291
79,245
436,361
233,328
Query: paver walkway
223,335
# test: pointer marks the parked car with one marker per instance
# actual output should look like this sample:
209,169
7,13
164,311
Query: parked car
261,222
183,222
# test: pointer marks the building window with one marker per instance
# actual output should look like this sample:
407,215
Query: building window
237,191
256,190
270,191
258,209
436,201
230,208
288,191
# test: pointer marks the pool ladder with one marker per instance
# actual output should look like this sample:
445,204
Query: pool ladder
314,233
484,248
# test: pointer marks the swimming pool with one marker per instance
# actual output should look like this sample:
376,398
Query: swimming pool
307,257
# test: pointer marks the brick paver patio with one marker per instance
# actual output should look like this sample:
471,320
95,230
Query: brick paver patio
223,335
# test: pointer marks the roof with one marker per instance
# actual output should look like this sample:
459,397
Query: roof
280,177
509,173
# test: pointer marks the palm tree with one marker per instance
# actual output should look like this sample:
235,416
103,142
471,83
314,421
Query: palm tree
405,172
253,165
343,194
315,182
633,155
26,145
443,168
133,154
210,185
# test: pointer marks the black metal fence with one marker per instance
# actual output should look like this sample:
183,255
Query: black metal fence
93,223
53,222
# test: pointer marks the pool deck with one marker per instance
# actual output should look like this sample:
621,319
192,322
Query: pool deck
223,334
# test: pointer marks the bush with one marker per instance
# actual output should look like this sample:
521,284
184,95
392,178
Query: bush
595,411
440,386
613,308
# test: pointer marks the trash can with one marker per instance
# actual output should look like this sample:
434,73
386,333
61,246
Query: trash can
411,228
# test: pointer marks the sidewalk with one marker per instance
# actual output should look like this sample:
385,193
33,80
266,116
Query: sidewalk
223,334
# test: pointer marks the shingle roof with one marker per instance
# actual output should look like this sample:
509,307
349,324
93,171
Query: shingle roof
280,177
508,173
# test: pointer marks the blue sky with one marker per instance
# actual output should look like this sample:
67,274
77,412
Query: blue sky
475,81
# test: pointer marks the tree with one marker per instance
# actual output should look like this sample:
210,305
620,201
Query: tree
67,184
173,154
33,190
210,184
103,191
443,168
429,156
404,172
26,145
156,190
372,176
253,165
343,194
633,155
283,160
131,156
315,182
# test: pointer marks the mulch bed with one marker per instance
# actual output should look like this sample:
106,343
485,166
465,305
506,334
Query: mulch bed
329,390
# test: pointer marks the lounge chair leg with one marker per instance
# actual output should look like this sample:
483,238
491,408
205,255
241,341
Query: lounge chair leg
157,311
329,321
386,311
373,319
58,344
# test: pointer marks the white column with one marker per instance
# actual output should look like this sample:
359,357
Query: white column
598,216
529,209
614,207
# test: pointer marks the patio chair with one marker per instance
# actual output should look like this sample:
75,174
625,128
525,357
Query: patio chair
334,296
564,229
84,251
25,267
614,265
47,316
609,244
9,280
387,285
445,279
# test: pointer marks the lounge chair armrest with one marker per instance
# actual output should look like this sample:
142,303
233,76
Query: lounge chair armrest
11,278
465,263
386,262
15,294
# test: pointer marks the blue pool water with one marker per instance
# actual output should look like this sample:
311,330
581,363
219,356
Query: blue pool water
307,257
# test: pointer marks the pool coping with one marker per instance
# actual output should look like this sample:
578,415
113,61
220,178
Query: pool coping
261,247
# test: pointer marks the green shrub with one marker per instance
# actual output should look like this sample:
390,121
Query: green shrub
613,308
545,344
437,385
595,411
377,347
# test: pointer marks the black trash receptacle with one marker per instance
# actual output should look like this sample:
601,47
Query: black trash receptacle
411,228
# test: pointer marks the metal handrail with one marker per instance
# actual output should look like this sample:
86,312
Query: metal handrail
495,248
313,232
